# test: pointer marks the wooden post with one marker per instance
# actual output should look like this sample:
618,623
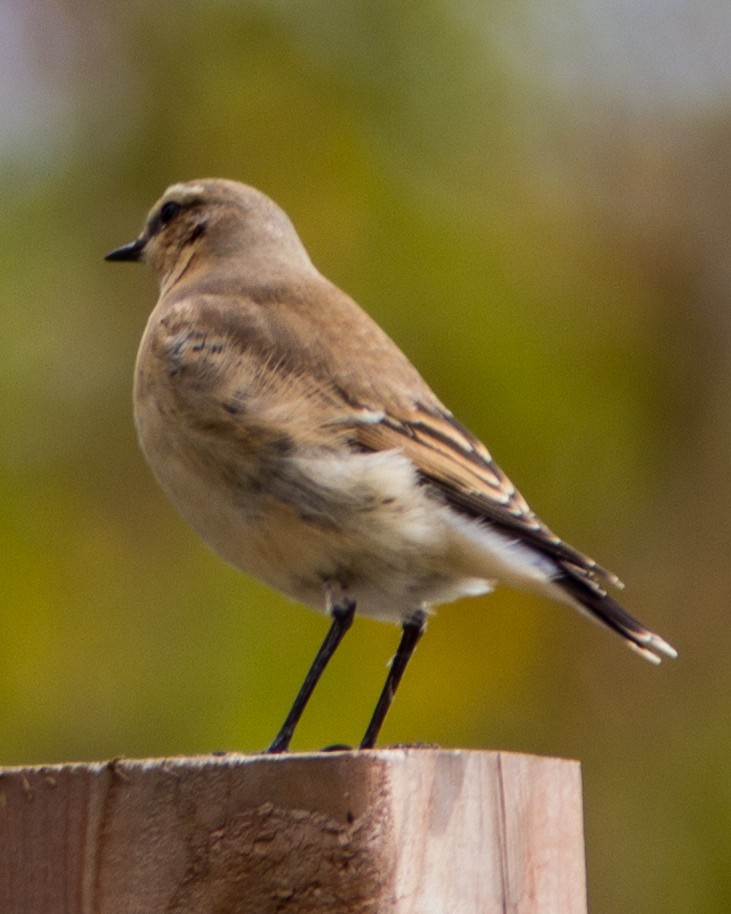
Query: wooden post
396,831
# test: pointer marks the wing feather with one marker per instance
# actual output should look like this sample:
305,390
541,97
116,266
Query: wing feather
461,469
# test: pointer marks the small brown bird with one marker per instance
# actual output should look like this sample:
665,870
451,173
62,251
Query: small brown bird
306,450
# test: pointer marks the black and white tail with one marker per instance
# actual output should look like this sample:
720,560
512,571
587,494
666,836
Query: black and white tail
593,600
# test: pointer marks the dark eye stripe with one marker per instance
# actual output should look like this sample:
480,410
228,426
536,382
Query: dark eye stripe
169,211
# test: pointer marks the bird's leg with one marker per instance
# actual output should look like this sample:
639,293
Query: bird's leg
412,630
342,610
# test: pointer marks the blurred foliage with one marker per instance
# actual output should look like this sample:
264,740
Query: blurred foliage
533,199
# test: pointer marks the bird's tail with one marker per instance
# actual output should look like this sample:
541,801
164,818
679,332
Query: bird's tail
596,602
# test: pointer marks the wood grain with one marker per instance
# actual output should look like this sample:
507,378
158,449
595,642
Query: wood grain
398,831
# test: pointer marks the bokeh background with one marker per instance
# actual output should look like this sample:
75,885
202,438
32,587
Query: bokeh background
533,197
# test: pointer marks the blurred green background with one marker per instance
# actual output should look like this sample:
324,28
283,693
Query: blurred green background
533,198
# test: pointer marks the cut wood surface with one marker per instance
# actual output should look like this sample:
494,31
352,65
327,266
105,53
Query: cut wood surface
394,831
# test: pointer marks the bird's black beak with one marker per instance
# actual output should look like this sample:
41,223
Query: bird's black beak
132,251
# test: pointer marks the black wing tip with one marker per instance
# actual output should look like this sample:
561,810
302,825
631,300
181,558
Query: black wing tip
600,606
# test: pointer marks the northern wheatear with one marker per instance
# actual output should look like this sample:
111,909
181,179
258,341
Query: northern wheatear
306,449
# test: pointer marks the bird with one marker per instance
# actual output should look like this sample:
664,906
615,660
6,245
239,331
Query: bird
306,449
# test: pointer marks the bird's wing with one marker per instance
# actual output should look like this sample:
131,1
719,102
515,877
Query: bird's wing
457,465
202,336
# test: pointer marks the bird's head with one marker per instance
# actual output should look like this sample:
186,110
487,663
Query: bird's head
216,222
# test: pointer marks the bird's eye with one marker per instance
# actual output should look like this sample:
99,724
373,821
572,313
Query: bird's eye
169,211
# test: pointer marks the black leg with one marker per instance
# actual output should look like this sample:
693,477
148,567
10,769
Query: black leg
342,618
413,629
